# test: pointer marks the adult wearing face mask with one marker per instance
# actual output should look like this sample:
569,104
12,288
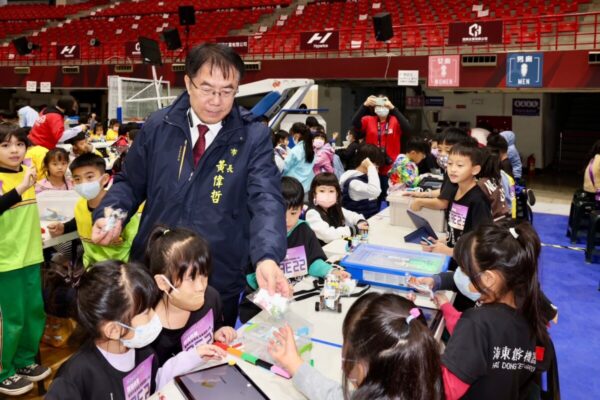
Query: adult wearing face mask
49,130
384,130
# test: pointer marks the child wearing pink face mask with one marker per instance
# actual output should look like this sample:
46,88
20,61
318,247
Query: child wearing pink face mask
325,215
323,154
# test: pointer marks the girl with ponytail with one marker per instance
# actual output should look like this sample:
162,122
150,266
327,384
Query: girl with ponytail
492,350
388,353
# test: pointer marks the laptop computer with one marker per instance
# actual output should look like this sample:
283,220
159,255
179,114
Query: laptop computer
424,229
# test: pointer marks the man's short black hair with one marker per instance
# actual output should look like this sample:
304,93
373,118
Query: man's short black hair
66,103
88,160
215,55
419,145
371,152
497,143
311,122
292,191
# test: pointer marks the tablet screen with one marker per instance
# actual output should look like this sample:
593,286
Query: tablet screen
220,382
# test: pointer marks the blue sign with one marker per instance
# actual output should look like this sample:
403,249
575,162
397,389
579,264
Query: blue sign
524,69
434,101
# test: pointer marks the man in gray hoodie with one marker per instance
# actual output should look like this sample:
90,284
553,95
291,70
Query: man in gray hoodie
513,154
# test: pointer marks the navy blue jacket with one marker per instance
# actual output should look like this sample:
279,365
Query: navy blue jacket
232,198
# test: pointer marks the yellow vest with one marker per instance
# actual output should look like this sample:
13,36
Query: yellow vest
20,229
93,253
111,135
37,154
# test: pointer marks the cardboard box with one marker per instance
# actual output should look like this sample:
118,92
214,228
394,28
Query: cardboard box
398,216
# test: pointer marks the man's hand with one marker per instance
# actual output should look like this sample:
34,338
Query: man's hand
270,277
103,238
56,229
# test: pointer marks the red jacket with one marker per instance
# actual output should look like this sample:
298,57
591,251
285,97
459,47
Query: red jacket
391,133
48,128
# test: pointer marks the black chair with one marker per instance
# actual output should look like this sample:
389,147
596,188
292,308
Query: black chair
579,215
593,236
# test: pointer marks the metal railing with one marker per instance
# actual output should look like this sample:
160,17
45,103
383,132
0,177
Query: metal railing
575,31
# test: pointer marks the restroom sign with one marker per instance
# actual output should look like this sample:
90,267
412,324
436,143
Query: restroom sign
444,71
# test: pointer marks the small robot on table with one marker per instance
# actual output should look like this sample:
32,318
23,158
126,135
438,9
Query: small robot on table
329,299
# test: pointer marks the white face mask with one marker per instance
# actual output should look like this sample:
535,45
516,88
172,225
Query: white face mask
143,335
318,143
463,282
89,190
382,111
187,303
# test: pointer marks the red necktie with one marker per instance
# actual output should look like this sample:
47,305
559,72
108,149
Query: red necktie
200,145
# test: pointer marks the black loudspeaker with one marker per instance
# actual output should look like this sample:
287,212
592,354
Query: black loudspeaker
172,39
187,15
22,45
382,23
150,51
94,42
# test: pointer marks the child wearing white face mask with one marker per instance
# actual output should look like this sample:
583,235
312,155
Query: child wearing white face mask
325,215
114,303
494,349
189,309
90,178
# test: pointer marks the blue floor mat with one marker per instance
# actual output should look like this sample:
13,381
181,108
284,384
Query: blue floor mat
572,285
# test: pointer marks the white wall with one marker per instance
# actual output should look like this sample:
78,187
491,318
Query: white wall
527,129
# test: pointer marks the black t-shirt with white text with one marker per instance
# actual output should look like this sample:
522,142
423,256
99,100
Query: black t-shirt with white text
493,351
467,213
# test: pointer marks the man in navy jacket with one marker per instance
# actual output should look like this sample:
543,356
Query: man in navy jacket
232,196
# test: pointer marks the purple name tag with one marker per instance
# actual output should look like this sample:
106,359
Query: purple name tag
199,333
294,264
458,216
137,383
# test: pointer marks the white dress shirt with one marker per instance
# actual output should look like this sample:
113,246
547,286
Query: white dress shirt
213,130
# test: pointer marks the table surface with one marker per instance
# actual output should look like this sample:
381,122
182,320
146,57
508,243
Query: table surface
326,325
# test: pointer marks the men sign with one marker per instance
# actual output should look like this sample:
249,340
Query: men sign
524,69
320,41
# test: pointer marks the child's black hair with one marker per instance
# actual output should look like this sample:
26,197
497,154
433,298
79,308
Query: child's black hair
9,130
279,136
306,137
113,122
57,154
491,165
494,247
333,215
371,152
402,360
321,134
88,160
174,252
77,138
113,291
468,148
132,134
418,145
311,122
452,136
292,191
497,144
124,129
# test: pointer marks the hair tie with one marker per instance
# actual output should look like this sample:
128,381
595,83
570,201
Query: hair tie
166,231
513,232
414,313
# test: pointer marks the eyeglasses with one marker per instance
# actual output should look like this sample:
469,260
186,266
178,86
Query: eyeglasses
207,91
